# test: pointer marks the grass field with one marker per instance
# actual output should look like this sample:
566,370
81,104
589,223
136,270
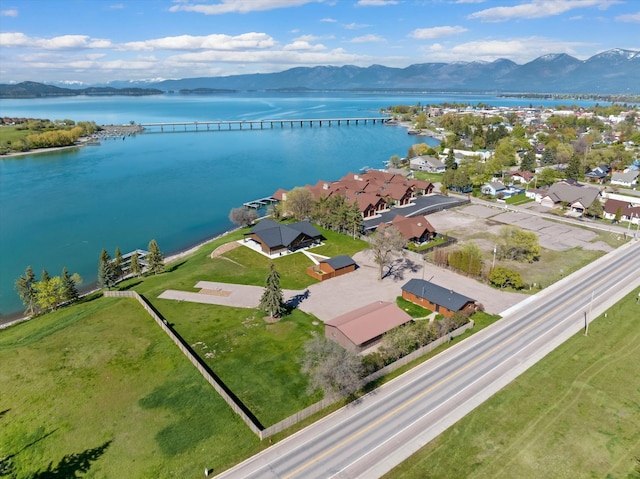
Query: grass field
99,385
575,414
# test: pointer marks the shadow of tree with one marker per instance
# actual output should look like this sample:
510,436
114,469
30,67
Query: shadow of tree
130,285
398,268
72,464
296,300
2,413
175,266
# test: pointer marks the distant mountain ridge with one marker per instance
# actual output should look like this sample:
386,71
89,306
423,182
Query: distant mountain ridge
31,89
615,71
612,72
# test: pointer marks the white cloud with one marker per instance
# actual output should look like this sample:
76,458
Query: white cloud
10,12
376,3
238,6
355,26
117,6
329,20
304,46
537,9
368,39
208,42
629,17
436,32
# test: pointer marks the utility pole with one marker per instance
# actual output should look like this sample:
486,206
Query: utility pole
493,265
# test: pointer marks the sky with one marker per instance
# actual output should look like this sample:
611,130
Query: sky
97,41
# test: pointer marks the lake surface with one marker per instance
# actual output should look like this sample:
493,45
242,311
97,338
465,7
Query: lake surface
61,209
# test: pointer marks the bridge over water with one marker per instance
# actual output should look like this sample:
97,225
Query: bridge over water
230,125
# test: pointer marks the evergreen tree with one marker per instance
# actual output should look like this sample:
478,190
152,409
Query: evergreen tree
548,157
574,169
135,268
45,276
155,260
69,287
528,162
106,273
450,161
117,264
271,301
25,286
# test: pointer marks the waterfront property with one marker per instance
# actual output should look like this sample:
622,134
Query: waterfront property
364,327
276,238
436,298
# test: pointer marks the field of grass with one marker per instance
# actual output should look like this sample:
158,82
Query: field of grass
257,360
518,200
432,177
574,414
99,388
9,134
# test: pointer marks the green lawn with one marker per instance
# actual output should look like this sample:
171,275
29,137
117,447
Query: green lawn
258,361
412,309
9,134
101,382
432,177
518,200
574,414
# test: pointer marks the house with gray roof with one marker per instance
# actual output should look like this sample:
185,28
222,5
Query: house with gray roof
436,298
576,197
625,178
332,267
427,163
276,237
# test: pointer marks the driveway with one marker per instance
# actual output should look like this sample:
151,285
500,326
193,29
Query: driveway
340,295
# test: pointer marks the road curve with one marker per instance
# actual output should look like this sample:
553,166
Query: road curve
368,438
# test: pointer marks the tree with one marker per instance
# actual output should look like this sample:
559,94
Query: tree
518,245
548,176
25,287
574,169
243,216
299,203
399,342
618,215
503,277
44,277
272,301
332,368
134,267
394,162
106,273
70,286
385,245
117,264
528,162
155,259
450,161
548,157
595,209
49,293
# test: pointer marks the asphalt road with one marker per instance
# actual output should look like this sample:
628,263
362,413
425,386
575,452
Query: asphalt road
367,439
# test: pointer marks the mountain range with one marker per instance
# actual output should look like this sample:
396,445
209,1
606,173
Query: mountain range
615,71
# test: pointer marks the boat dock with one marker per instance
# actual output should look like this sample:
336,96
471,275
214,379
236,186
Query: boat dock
257,204
231,125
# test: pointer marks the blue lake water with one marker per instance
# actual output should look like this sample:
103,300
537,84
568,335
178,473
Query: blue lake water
60,209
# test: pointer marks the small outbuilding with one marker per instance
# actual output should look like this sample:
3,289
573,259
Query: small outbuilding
364,327
436,298
332,267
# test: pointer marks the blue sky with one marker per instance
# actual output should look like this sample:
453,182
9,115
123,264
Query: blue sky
94,41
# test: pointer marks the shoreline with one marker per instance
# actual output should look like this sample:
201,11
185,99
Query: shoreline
106,132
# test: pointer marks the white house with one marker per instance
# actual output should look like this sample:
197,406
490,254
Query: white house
427,163
494,188
627,178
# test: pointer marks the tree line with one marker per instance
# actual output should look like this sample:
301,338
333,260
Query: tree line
47,134
48,293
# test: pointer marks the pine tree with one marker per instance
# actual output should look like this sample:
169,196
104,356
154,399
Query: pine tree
155,260
106,273
528,162
272,301
69,287
574,169
45,276
117,264
134,267
450,161
25,286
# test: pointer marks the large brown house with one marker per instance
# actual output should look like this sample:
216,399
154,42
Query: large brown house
436,298
275,237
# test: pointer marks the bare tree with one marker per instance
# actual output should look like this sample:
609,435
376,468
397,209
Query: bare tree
385,245
243,216
332,368
299,203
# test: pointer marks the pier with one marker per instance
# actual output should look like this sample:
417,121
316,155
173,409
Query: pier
237,125
257,204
